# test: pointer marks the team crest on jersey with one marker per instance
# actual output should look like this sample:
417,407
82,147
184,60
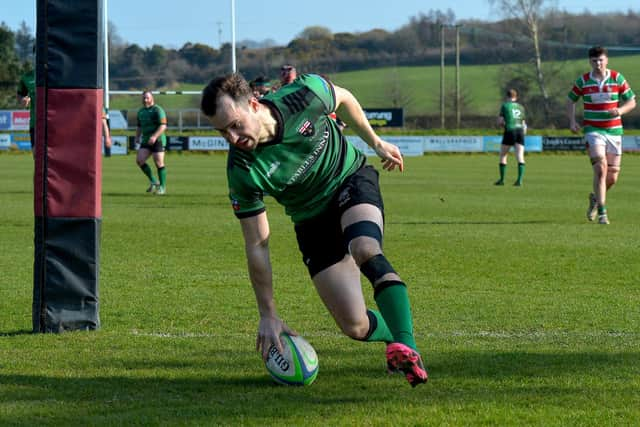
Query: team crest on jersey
306,129
235,205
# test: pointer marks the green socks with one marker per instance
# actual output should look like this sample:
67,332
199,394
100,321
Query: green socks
393,301
502,168
162,173
378,329
147,171
520,172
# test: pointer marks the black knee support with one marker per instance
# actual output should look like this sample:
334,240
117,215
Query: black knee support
362,228
375,268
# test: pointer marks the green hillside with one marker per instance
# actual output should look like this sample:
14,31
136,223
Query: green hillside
419,86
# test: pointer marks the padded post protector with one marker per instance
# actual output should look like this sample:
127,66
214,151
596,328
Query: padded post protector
69,301
68,168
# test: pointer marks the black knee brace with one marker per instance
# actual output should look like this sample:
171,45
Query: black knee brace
362,228
375,268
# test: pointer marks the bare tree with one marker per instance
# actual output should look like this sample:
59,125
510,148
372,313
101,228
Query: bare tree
529,13
395,93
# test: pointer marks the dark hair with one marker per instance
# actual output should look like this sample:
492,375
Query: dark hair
233,85
512,93
596,51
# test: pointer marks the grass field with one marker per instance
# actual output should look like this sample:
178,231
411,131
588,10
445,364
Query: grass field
421,85
525,313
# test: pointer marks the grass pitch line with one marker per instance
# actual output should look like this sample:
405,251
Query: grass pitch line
506,335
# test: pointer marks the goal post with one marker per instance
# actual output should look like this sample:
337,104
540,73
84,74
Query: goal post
68,168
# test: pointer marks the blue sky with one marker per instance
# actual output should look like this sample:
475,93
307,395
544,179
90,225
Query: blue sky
172,23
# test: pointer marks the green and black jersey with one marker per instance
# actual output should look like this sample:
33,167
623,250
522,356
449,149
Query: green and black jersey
513,114
303,166
27,86
149,120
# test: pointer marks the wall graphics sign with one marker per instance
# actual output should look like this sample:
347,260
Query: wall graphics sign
177,143
208,143
408,145
5,120
119,145
563,143
631,143
532,143
5,141
385,117
453,143
22,141
20,120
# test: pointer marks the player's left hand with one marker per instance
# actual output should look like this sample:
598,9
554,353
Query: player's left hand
390,156
269,331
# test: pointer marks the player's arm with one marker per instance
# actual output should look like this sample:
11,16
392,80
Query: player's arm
571,114
22,95
159,131
500,120
138,133
106,132
349,110
628,105
255,230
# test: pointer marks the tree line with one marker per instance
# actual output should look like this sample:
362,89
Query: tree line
563,36
560,35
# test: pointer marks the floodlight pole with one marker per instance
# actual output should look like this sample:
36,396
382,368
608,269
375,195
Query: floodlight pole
442,27
458,76
457,88
105,47
233,36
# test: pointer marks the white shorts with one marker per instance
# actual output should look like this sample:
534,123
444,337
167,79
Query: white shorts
612,143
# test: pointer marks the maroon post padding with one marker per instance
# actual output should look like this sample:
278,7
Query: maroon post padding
73,154
38,178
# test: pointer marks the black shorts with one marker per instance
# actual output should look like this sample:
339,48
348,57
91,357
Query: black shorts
514,136
155,148
320,238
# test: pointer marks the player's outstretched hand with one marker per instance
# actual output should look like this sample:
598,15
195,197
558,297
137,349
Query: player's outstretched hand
269,330
390,156
575,128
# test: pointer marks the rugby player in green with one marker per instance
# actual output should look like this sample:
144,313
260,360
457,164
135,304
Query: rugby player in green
285,145
152,122
512,119
26,95
602,91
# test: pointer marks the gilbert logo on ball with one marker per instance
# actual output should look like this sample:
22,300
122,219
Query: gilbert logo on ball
296,365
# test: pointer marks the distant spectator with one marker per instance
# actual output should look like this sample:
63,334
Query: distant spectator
26,96
288,74
260,87
106,133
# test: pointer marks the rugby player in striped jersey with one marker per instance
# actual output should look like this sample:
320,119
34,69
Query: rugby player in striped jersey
606,96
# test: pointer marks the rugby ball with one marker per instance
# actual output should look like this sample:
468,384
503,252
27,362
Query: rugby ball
296,365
